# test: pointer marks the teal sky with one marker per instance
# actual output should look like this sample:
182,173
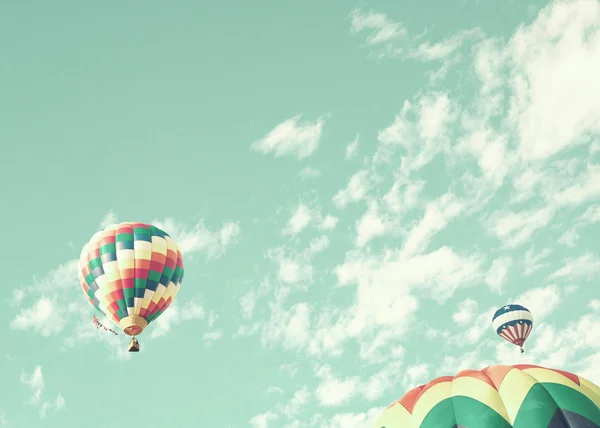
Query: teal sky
355,186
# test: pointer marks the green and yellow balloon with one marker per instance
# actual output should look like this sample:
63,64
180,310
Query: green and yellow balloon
521,396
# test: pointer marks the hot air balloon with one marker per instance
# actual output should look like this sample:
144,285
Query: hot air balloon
131,272
513,323
523,396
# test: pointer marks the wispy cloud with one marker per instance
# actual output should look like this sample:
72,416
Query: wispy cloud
308,214
309,172
357,189
198,238
292,137
109,219
497,274
554,110
175,315
515,229
586,266
441,50
381,28
352,148
35,382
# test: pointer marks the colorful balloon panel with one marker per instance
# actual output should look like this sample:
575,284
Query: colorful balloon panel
521,396
131,270
513,323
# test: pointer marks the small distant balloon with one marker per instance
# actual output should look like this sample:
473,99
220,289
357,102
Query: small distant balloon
513,323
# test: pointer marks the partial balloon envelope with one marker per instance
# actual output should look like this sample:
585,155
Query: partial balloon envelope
513,323
522,396
131,272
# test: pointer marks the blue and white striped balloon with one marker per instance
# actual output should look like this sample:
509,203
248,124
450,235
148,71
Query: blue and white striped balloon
513,323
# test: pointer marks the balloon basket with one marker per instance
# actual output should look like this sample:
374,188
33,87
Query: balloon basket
134,345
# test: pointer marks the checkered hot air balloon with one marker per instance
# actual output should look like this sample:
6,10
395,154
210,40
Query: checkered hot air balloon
523,396
131,272
513,323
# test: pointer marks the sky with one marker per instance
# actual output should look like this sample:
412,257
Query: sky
355,186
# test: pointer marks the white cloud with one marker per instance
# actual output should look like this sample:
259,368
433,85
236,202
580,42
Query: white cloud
352,420
248,301
514,229
424,137
333,392
475,331
453,364
437,51
263,420
385,300
352,148
18,296
588,188
299,220
555,61
416,375
35,382
289,410
329,222
289,369
176,315
274,390
591,215
467,310
541,301
292,137
377,385
371,225
228,233
304,216
308,172
357,189
45,317
56,405
382,29
109,219
437,215
533,261
489,61
200,239
496,276
292,267
48,314
490,150
212,336
402,196
290,327
569,238
299,400
435,113
586,266
571,235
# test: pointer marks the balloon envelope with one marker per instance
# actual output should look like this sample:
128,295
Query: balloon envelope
513,323
521,396
131,272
